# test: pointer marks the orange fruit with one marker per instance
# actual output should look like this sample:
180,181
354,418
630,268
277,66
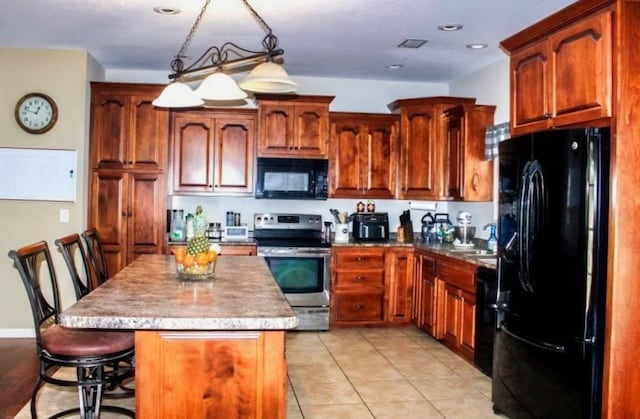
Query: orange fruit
188,261
179,257
202,259
213,255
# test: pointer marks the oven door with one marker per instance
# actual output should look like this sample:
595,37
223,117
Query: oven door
301,273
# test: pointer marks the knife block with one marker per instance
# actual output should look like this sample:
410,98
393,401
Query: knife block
405,233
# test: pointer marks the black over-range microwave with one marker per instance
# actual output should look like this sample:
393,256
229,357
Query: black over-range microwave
280,178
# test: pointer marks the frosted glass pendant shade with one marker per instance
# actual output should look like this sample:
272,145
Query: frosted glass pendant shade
269,77
219,86
178,95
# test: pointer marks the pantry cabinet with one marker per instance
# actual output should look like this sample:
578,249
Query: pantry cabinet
213,152
467,175
127,131
363,155
293,126
563,79
127,209
128,150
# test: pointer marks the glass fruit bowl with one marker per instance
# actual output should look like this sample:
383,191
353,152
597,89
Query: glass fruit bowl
196,272
195,267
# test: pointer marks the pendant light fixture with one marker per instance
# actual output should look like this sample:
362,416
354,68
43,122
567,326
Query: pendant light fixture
267,76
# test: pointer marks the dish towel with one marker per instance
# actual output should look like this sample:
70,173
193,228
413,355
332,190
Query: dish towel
493,136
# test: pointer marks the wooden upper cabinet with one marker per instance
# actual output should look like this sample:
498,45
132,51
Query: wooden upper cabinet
127,131
466,174
213,152
422,134
363,155
563,78
293,126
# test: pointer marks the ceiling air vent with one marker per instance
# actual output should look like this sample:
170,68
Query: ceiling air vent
412,43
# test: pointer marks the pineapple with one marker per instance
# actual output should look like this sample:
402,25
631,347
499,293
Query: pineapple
199,243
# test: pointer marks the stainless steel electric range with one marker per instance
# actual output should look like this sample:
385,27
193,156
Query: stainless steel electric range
298,258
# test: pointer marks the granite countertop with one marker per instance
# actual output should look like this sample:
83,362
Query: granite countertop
478,254
148,295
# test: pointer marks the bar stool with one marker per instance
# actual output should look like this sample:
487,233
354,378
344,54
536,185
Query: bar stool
89,352
96,254
73,254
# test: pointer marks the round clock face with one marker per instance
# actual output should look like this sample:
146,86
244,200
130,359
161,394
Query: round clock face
36,113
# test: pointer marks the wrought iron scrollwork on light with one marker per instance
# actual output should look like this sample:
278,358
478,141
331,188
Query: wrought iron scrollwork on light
267,76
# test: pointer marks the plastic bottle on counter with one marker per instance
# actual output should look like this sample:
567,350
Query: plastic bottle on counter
492,242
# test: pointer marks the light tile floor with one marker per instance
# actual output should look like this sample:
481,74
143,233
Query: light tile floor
381,373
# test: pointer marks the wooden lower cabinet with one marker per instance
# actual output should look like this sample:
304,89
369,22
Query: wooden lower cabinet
357,286
458,320
200,374
399,285
445,301
371,285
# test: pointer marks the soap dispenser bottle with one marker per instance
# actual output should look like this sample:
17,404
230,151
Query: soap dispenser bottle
492,242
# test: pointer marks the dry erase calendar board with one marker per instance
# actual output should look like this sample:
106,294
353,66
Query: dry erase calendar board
38,174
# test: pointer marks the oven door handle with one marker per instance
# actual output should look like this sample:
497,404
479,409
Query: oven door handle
294,252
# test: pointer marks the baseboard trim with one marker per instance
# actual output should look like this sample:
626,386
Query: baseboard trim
17,333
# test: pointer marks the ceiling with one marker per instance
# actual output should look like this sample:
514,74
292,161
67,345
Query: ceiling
322,38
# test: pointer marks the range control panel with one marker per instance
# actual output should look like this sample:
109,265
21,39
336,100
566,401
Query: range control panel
287,221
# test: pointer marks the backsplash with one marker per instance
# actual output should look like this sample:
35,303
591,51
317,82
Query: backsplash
217,207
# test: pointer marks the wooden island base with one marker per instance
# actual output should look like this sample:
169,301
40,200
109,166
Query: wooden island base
200,374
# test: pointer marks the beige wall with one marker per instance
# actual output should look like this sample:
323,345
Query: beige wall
64,76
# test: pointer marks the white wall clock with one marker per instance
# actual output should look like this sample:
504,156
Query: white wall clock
36,113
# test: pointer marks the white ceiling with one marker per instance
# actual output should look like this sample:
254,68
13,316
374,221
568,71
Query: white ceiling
323,38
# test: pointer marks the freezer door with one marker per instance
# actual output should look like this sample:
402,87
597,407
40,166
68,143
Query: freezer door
531,381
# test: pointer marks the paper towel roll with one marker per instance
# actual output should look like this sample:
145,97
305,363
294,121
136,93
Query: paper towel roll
423,205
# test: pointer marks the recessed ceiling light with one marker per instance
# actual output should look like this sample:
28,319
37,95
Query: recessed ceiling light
477,46
166,10
394,66
450,27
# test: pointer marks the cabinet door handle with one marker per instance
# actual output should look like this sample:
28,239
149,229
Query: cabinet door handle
358,306
360,278
359,258
474,182
547,115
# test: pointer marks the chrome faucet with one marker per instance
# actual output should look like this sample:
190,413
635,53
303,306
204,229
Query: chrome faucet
486,226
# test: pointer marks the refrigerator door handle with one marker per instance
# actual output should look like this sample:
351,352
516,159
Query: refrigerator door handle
534,342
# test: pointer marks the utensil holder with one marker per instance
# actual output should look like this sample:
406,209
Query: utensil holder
341,234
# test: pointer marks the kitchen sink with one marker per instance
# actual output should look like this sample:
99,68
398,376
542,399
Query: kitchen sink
472,252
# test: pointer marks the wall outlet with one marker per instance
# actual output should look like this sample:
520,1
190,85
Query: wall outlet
64,215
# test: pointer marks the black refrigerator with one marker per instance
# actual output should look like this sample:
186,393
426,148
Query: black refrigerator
552,247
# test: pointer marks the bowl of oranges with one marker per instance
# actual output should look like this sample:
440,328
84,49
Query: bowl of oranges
195,267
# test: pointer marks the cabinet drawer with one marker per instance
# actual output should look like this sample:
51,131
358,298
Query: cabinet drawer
429,264
457,273
358,306
360,278
359,259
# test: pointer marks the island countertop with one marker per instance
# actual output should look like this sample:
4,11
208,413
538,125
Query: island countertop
147,295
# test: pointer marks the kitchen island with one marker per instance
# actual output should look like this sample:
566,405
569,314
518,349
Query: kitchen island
212,348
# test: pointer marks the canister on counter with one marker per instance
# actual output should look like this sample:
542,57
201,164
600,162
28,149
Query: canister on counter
230,219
